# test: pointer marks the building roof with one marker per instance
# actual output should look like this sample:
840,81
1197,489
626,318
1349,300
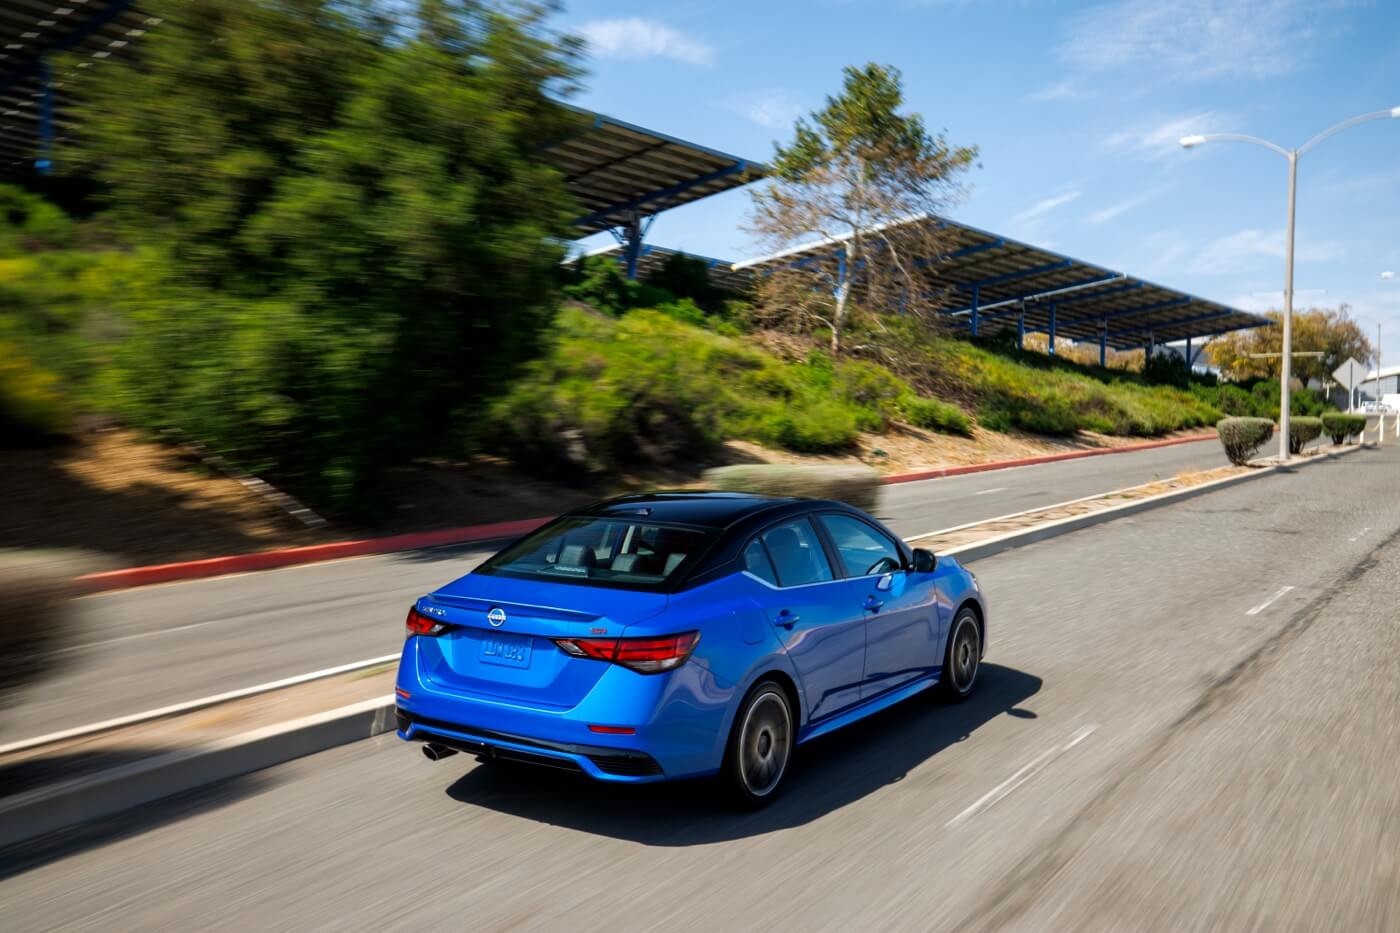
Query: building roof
1004,277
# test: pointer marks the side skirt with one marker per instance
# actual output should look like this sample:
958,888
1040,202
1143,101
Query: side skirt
869,707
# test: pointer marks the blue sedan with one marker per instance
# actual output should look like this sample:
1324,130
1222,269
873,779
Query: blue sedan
683,635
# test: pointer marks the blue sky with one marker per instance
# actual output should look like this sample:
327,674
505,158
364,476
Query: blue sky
1076,108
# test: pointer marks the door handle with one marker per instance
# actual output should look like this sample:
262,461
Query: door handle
786,619
872,604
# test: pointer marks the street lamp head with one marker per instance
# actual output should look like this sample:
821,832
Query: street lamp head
1188,142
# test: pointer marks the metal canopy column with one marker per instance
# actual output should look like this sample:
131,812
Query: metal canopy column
1021,328
632,244
45,161
1103,345
974,310
1189,367
1052,329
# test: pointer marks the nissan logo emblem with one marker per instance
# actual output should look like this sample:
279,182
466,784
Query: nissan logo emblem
496,617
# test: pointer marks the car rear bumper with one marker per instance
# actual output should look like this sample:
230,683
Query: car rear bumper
676,718
596,761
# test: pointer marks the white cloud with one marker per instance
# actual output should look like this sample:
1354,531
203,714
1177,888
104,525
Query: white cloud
773,108
1043,207
1104,215
1065,90
1161,138
1246,248
637,38
1199,39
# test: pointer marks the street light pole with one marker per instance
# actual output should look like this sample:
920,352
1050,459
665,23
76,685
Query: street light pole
1286,369
1292,155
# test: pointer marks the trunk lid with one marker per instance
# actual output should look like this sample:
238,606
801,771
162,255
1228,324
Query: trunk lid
500,645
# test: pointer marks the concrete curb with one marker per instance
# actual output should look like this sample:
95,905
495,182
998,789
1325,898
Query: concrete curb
46,810
315,553
983,549
943,472
49,809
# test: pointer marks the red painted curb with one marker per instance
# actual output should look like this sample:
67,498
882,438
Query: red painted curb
290,557
1032,461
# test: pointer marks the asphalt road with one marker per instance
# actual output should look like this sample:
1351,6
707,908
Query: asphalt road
1185,722
146,648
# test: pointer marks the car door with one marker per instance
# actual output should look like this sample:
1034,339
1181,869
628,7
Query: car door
810,608
903,636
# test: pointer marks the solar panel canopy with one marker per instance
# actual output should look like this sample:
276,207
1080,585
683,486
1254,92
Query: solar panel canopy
721,272
1004,279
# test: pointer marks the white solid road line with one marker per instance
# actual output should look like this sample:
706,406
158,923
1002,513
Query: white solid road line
988,492
1270,601
190,705
1020,777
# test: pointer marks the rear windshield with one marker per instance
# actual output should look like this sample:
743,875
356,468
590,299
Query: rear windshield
604,552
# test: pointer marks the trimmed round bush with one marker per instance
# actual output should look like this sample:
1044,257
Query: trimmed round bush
1302,430
1340,425
35,616
856,485
1242,437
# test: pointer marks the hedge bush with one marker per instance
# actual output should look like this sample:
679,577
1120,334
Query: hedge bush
35,616
856,485
1242,437
1340,425
32,405
1302,430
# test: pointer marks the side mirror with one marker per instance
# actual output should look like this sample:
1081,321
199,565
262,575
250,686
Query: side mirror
924,561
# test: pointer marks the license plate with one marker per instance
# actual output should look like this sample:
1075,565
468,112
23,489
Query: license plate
506,650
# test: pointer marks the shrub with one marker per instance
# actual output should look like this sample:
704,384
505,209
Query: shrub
856,485
35,618
1302,430
932,414
1340,425
31,404
1242,437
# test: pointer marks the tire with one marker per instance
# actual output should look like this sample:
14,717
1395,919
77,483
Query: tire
760,747
962,659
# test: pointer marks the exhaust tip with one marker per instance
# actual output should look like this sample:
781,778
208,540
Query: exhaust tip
435,752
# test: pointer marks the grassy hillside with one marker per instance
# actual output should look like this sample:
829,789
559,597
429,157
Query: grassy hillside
652,388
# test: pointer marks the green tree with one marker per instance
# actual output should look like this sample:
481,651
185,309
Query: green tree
869,176
1254,353
358,227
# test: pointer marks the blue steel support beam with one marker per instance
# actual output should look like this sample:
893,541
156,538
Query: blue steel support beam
660,194
1189,367
965,251
1106,293
1103,346
1083,283
974,310
1169,325
44,163
1013,276
1021,330
1052,330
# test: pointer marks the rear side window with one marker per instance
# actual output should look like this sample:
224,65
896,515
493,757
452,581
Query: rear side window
796,553
757,563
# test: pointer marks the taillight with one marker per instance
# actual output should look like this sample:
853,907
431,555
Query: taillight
419,624
647,655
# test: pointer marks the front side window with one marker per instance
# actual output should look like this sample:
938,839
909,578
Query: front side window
603,552
863,550
796,553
